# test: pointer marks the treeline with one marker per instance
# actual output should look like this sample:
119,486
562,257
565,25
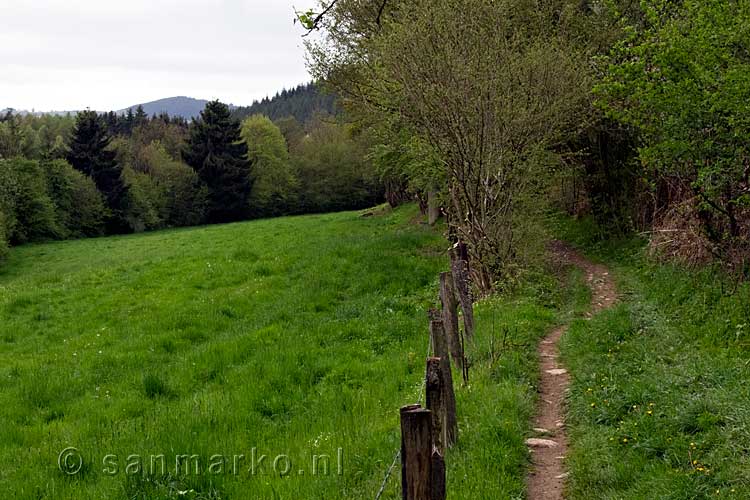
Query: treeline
632,111
97,174
302,103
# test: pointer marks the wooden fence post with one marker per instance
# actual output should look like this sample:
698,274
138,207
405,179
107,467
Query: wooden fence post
437,486
450,319
460,272
416,453
440,350
435,398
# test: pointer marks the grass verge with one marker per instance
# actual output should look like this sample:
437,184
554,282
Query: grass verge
660,402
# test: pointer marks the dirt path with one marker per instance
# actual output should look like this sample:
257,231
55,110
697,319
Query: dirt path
547,478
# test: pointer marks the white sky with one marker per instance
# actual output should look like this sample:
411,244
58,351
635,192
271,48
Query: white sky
110,54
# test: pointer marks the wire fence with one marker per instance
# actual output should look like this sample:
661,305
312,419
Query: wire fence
397,456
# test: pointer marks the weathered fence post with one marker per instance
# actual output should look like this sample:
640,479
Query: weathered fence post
460,272
416,453
435,397
437,487
440,350
450,319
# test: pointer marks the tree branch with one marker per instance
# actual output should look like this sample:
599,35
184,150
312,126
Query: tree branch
380,12
313,23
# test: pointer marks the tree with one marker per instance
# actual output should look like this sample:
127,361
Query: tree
78,203
127,122
140,118
182,194
682,82
334,171
492,93
90,154
275,184
292,131
11,136
218,154
25,201
301,102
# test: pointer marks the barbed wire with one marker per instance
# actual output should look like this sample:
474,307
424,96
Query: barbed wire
397,456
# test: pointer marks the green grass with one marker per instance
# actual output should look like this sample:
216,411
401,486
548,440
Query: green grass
297,336
660,401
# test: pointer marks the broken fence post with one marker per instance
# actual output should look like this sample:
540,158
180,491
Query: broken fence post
460,272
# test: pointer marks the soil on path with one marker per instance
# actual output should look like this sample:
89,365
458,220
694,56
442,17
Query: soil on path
547,478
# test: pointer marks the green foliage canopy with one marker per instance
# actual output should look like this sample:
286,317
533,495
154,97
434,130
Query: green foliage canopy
684,82
275,184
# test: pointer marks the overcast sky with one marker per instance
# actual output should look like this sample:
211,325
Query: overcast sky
110,54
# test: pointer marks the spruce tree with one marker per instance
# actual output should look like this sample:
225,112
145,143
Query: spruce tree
140,118
218,154
90,154
128,122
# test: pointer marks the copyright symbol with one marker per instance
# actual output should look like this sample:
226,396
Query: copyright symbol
70,461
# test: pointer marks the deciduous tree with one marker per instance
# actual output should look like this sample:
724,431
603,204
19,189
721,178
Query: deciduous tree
275,184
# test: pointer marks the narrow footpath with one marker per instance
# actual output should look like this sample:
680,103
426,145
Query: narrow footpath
546,480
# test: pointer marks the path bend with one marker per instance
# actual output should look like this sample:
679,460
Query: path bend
546,480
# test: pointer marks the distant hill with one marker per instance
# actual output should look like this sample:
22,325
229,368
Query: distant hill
186,107
301,102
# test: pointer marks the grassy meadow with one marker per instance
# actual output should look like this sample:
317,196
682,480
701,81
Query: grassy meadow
294,338
660,401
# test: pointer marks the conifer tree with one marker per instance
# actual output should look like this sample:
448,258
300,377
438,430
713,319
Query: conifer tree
128,122
218,154
90,154
140,118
